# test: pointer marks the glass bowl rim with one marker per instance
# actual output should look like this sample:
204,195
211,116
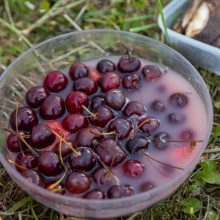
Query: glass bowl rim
136,197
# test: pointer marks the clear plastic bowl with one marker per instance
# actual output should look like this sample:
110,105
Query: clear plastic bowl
59,52
195,51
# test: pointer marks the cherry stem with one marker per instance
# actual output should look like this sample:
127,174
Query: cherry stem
117,182
66,142
28,145
17,165
156,160
60,152
88,111
108,133
192,142
15,133
128,51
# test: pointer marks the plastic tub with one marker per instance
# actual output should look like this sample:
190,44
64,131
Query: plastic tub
197,52
59,52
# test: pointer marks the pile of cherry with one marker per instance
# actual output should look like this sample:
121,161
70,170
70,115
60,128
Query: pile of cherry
71,131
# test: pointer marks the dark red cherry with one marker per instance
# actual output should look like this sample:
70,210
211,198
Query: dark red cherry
151,72
187,134
33,176
52,107
102,177
121,126
41,136
36,95
115,99
75,101
84,162
132,81
178,99
160,140
176,118
109,81
55,81
78,182
133,168
74,122
86,136
116,192
95,194
26,119
85,85
49,163
146,186
137,143
109,152
102,115
158,106
78,70
104,66
97,101
149,125
14,144
128,64
134,108
26,161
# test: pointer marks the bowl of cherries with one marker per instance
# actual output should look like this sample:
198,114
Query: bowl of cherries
102,123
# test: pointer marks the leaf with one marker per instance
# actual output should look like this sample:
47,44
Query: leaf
191,206
5,213
211,215
45,5
216,132
209,165
210,177
217,104
20,204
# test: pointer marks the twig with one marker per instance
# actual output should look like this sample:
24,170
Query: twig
51,13
215,150
8,11
81,12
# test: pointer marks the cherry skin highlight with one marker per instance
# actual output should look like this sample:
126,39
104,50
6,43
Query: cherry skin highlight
78,70
109,81
104,66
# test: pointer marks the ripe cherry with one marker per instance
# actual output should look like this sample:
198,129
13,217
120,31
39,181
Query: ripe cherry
160,140
149,125
115,99
104,66
26,119
187,134
86,85
133,168
109,81
132,81
33,176
109,151
75,101
176,118
158,106
74,122
78,182
128,64
84,162
151,72
49,163
26,161
146,186
137,143
97,101
102,177
52,107
41,136
95,194
55,81
14,144
78,70
178,99
120,191
121,126
36,95
102,115
134,108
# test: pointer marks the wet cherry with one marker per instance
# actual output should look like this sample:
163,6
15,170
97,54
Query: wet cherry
120,191
14,144
33,176
95,194
74,122
160,140
52,107
104,66
109,81
78,182
134,108
149,125
146,186
179,100
115,99
187,134
102,177
55,81
75,101
132,81
97,101
128,64
78,70
137,143
26,161
151,72
86,85
158,106
133,168
176,118
36,95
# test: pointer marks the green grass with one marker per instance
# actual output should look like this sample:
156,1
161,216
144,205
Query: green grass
24,23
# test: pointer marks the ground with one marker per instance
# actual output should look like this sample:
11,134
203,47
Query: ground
23,23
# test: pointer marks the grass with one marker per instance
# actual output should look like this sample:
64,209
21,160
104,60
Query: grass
23,23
